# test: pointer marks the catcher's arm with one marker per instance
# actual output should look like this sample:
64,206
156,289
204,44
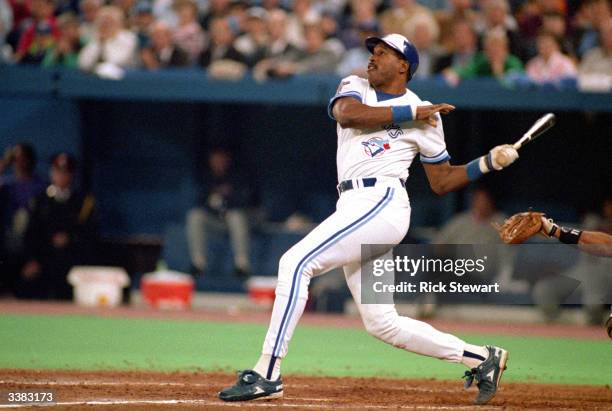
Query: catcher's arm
592,242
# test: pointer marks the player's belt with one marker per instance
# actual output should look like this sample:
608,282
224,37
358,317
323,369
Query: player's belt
347,185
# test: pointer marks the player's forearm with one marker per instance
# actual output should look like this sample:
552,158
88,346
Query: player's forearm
362,116
596,243
456,179
445,178
593,242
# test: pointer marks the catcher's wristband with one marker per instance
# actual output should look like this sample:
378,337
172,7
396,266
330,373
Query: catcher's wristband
479,167
569,235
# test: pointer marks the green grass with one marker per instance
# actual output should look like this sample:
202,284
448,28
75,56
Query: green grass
89,343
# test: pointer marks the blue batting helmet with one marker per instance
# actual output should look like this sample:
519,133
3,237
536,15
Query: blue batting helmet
400,44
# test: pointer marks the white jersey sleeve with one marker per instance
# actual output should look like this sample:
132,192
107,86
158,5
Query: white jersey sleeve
351,86
432,147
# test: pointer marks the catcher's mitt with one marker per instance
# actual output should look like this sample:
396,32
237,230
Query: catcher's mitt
518,228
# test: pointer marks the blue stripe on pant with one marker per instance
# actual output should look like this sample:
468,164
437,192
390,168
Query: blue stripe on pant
295,283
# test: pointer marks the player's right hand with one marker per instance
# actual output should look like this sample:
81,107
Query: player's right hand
427,113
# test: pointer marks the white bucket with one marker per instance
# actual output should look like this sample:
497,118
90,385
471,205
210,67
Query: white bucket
98,286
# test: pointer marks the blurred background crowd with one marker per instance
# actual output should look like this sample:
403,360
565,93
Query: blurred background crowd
553,42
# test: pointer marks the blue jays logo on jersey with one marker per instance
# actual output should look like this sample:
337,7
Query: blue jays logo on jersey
394,130
375,146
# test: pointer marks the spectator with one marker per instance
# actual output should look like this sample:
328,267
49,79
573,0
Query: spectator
531,16
216,9
221,58
423,36
329,25
402,16
16,193
497,16
6,24
599,14
495,61
278,48
302,13
39,35
189,35
556,24
320,56
363,14
464,48
459,10
62,232
595,72
89,14
253,44
277,29
550,65
66,52
355,60
162,52
226,197
113,48
143,20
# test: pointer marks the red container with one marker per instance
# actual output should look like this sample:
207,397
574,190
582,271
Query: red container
167,290
262,290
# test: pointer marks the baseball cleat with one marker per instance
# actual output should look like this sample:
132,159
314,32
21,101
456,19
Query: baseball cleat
252,386
487,374
609,326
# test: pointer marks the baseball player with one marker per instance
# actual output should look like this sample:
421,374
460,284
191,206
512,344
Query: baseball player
519,227
593,242
382,127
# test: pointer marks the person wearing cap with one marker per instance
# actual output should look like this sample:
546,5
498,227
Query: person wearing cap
61,233
381,128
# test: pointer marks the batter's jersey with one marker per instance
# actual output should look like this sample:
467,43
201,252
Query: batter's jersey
387,150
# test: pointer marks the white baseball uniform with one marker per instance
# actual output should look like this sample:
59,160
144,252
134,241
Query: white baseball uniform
378,214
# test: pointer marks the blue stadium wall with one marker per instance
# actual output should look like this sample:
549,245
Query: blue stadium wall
143,142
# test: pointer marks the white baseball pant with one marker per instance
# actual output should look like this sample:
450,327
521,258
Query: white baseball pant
372,215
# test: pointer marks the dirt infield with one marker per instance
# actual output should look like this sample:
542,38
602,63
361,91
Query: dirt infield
150,391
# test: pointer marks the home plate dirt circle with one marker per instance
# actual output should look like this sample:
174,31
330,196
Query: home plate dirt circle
134,390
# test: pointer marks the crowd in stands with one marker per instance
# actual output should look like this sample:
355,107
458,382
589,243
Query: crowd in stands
554,42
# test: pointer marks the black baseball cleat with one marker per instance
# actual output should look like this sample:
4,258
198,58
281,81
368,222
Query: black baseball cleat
252,386
487,374
609,326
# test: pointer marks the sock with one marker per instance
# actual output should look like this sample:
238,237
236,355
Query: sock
268,367
473,355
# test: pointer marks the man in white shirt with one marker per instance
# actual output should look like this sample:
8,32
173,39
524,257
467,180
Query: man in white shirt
382,127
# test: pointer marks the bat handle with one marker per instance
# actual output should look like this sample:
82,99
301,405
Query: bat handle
523,140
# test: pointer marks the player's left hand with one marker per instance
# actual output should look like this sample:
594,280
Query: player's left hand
427,113
502,156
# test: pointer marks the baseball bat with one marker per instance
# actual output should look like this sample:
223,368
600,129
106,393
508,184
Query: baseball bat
539,127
